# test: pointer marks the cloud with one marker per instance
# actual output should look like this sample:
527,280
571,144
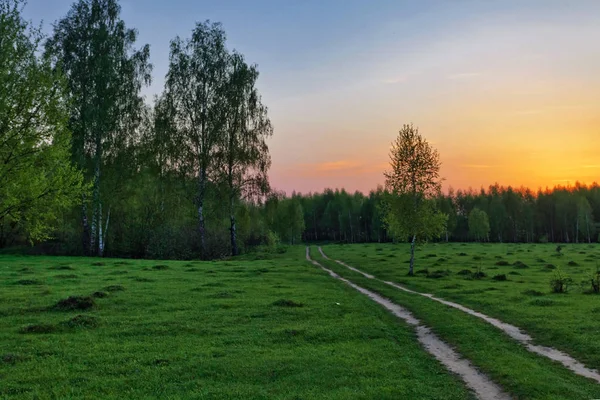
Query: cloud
337,168
394,81
478,166
464,75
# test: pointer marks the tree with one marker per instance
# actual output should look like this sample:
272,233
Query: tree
194,89
105,74
413,182
479,224
243,152
37,180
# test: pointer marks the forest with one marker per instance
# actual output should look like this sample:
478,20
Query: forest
89,166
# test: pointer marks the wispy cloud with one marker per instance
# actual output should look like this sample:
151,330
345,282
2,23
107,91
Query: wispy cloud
393,81
464,75
338,168
478,166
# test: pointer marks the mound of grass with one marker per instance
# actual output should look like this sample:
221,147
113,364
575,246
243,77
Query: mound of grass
514,273
520,265
500,277
62,267
502,263
465,272
81,321
531,292
66,276
38,328
99,295
572,263
477,258
28,282
431,255
73,303
287,303
423,271
462,254
543,302
98,264
549,266
160,267
114,288
437,274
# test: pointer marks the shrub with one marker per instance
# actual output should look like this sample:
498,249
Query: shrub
560,282
479,273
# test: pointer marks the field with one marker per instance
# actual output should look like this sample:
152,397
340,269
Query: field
269,326
568,321
265,329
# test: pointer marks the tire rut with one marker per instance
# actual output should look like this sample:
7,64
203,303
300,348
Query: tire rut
511,330
478,382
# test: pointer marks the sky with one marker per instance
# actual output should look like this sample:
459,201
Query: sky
507,91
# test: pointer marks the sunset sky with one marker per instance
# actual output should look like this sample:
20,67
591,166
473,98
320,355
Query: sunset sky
507,91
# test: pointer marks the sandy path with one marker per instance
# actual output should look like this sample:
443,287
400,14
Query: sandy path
511,330
483,387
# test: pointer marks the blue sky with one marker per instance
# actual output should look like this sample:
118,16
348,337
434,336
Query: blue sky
486,81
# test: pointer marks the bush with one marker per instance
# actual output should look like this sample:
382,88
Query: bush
560,282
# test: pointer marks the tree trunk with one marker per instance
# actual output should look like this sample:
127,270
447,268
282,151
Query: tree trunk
412,256
234,248
104,234
201,227
86,227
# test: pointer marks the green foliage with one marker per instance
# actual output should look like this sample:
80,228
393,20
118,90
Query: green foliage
479,225
560,282
402,220
37,181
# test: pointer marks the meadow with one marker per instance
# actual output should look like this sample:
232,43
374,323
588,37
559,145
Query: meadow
273,326
264,327
510,282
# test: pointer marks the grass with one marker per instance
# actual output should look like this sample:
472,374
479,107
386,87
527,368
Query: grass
568,321
275,328
522,374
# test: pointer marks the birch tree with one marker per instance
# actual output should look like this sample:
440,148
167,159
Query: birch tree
413,181
194,89
105,75
243,154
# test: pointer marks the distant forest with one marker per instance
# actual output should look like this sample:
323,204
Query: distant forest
561,214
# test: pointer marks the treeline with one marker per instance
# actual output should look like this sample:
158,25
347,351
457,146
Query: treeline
561,214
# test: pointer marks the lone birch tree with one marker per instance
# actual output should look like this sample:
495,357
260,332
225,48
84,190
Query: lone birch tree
105,74
413,182
243,153
194,89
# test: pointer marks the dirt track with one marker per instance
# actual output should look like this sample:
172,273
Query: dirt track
483,387
511,330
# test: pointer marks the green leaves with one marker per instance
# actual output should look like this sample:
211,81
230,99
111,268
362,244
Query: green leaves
37,181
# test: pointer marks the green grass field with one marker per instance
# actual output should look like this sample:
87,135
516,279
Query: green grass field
265,329
568,321
275,326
